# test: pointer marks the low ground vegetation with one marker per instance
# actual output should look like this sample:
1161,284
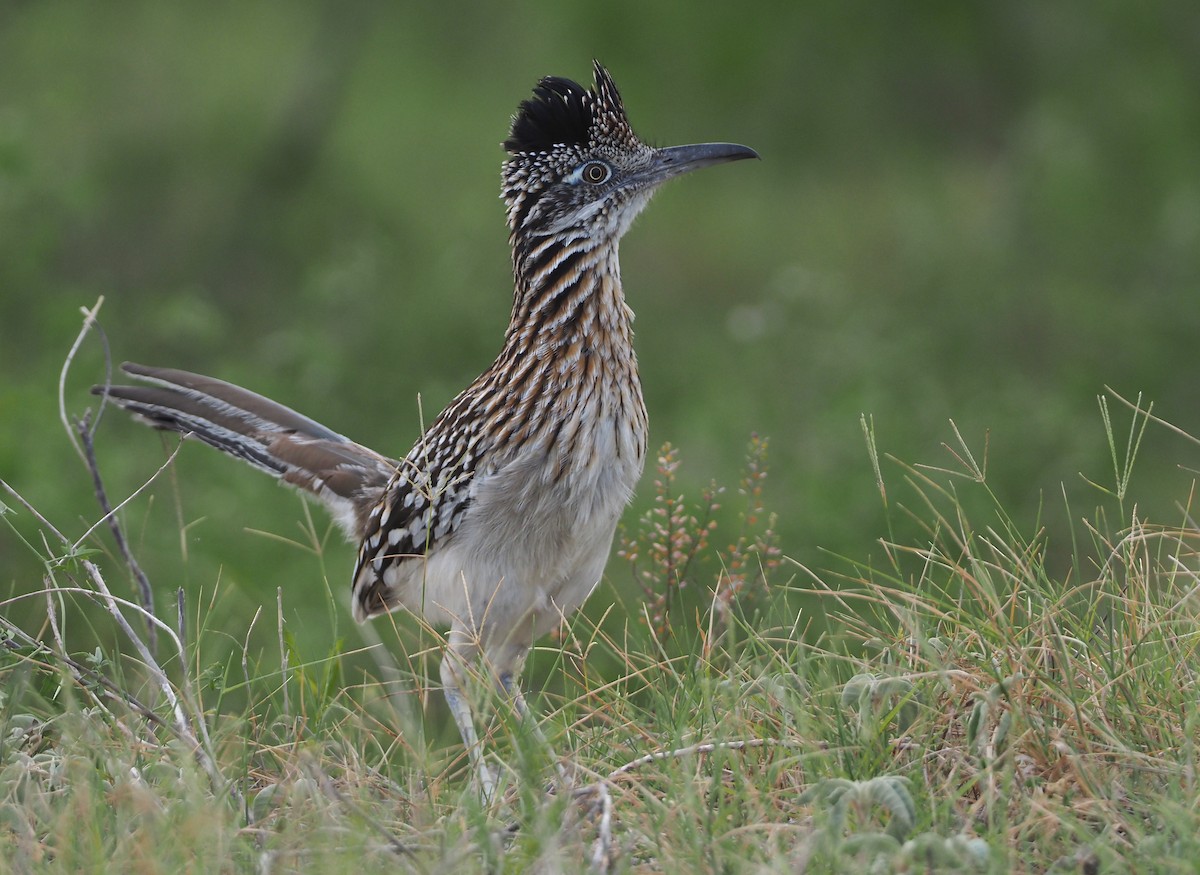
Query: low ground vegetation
958,701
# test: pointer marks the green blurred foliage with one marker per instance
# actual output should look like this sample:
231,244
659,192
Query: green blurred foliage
979,211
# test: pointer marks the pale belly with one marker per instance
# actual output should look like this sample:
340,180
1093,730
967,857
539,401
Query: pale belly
534,544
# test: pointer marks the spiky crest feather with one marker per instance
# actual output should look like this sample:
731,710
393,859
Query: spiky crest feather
564,113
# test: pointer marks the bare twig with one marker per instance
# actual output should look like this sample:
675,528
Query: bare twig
85,676
52,593
114,604
602,847
143,582
161,468
697,749
89,322
599,802
200,744
35,513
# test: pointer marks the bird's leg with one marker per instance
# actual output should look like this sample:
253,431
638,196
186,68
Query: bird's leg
462,652
508,682
512,689
459,651
591,801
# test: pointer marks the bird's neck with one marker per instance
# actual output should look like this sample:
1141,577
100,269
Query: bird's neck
567,372
568,297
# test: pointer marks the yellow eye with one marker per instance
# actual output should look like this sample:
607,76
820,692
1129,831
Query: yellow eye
596,172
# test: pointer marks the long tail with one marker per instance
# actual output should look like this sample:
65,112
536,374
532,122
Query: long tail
347,477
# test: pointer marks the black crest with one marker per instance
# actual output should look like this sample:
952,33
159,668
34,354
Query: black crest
562,113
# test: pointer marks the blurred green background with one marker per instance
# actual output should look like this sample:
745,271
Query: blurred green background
977,211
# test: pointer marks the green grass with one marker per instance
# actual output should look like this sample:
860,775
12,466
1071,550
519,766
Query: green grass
970,694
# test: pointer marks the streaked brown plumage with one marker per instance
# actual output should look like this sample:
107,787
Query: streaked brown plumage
498,522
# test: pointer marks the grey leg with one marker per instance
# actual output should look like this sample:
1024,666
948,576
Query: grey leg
510,686
452,669
512,689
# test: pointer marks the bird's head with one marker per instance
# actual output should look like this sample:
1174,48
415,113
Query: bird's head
576,167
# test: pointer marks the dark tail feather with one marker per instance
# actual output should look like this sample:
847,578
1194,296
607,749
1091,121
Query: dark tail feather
346,476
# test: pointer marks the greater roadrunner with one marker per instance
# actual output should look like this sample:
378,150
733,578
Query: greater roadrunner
499,521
